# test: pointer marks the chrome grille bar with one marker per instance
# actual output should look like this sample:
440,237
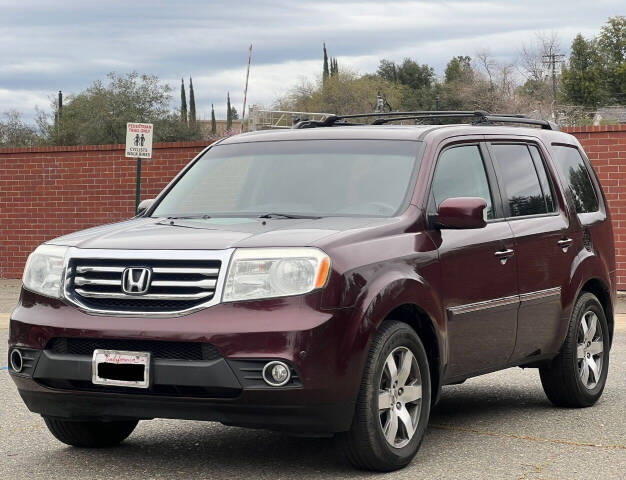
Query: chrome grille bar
147,296
94,268
207,272
96,281
206,284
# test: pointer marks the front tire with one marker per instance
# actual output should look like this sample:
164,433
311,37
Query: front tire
577,375
90,434
393,405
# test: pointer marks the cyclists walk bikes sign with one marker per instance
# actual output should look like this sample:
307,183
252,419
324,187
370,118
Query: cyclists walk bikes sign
139,140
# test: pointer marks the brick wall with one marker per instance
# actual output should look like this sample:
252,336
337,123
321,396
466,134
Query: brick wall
47,192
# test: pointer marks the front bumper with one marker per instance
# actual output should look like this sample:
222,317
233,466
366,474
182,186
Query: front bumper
313,342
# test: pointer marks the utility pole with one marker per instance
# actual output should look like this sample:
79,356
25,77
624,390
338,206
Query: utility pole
551,60
245,92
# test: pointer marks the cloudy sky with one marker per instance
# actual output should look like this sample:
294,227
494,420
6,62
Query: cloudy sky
51,45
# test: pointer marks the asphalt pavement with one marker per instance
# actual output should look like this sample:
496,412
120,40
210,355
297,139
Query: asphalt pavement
495,426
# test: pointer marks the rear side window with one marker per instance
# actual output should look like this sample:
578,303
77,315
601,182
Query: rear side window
523,193
461,173
575,173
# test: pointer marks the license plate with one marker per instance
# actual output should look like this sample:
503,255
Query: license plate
118,368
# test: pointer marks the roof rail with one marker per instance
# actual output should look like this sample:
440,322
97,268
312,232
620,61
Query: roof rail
479,117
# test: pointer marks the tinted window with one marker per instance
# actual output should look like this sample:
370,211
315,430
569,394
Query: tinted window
546,186
575,173
522,190
461,173
308,177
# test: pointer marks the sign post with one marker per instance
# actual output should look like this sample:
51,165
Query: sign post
138,145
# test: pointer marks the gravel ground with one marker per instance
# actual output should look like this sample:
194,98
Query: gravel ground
495,426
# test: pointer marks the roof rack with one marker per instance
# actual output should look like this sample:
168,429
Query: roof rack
480,117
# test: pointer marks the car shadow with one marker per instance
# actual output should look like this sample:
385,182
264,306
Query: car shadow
168,449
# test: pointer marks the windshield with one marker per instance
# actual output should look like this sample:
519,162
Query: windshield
313,178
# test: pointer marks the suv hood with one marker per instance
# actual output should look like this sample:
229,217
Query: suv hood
214,233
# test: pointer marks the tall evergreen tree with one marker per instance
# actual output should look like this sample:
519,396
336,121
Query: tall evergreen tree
612,48
183,102
213,124
229,113
582,81
192,105
326,72
334,67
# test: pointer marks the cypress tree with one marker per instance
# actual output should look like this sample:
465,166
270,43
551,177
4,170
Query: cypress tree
326,72
183,102
192,106
213,124
229,113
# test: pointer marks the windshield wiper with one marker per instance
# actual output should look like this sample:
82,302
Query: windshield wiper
188,217
287,215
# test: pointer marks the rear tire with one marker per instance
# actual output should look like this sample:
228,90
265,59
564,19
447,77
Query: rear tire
392,411
576,377
90,434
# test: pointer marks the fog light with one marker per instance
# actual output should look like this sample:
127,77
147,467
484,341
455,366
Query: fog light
17,363
276,374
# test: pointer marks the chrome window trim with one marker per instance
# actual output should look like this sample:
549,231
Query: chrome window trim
223,256
502,301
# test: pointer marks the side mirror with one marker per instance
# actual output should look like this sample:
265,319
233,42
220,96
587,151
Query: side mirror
462,212
144,206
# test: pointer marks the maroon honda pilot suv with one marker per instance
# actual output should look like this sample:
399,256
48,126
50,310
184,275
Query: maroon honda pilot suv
328,280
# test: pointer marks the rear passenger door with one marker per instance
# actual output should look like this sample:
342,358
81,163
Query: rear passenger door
542,232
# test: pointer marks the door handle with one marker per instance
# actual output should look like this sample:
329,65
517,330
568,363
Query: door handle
565,243
504,255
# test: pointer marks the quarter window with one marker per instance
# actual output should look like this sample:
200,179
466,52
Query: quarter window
461,173
522,190
575,173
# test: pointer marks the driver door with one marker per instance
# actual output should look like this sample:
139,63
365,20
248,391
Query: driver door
478,266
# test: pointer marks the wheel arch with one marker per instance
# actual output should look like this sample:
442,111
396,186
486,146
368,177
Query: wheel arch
417,318
602,291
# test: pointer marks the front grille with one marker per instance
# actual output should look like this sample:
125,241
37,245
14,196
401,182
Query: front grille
158,348
175,285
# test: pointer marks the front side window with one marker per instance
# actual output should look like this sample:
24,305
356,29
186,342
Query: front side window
461,172
521,187
305,178
574,172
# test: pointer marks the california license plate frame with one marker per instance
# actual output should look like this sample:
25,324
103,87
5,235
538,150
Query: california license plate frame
121,368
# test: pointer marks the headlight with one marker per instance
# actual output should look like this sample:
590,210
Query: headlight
44,270
275,272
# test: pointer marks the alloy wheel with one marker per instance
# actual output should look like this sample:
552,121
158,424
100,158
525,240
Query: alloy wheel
589,350
400,397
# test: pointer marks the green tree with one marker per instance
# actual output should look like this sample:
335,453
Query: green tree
15,132
99,114
326,71
229,113
233,113
344,93
183,102
582,82
612,49
417,82
459,69
192,106
213,123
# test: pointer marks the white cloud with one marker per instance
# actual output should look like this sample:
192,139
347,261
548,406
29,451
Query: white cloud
60,44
